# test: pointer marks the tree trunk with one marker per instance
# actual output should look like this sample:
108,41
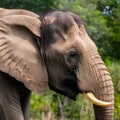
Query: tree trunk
62,105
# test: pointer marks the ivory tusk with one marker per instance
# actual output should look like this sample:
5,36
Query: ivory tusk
95,101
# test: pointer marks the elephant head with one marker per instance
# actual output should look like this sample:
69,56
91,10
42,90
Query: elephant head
56,50
73,63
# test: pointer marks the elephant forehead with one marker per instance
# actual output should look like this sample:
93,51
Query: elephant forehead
75,39
62,46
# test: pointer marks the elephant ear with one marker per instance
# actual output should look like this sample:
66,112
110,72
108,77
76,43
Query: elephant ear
19,54
8,12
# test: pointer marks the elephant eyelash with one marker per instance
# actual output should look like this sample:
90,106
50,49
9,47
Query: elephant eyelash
72,57
73,54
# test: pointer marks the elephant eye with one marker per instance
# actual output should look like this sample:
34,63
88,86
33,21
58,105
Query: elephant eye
73,54
72,58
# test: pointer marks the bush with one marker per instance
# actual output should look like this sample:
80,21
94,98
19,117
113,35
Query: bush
114,69
52,106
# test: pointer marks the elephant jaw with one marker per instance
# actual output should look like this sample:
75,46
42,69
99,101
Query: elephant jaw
95,101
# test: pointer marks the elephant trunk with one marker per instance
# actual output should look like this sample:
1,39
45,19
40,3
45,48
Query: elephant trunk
106,94
104,91
104,113
96,79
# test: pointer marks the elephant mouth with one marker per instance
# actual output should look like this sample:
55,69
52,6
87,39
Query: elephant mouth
69,88
90,96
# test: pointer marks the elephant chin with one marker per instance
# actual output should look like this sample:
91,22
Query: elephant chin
95,101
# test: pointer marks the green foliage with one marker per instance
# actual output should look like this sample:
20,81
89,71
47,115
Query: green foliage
43,104
117,105
37,6
114,69
80,109
110,9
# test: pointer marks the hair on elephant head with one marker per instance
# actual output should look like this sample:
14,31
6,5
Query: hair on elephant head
55,50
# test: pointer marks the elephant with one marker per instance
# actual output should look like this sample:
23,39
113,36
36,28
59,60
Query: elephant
55,50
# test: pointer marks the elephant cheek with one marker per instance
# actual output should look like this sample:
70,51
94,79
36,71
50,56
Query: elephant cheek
84,83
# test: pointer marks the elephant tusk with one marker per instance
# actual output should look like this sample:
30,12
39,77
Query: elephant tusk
95,101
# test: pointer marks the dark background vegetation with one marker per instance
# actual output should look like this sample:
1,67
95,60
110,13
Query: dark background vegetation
102,18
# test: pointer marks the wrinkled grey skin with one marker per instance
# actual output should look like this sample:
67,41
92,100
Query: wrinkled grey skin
53,49
15,97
